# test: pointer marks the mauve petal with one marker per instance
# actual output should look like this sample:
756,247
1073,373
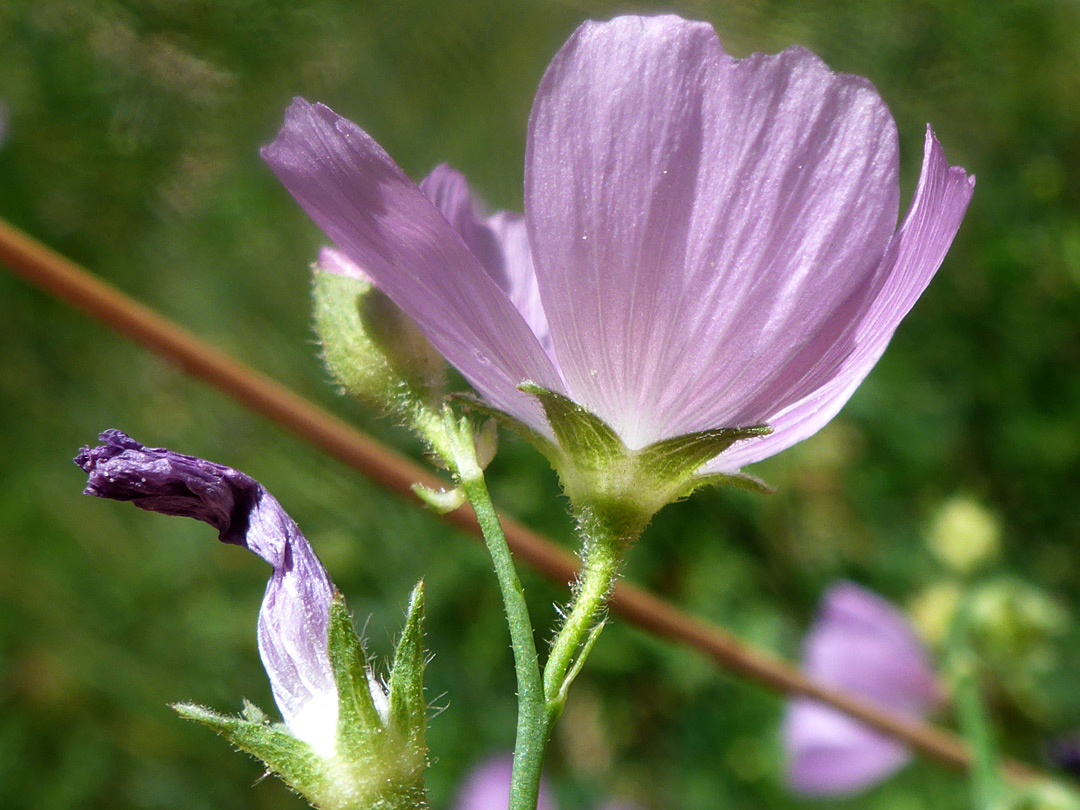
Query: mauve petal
521,285
829,754
488,787
292,629
449,192
500,242
696,219
910,262
862,644
383,222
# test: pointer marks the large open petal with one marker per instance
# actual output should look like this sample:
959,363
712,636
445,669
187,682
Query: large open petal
694,219
383,222
292,629
912,258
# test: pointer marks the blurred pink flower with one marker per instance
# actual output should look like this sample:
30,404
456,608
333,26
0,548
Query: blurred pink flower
862,644
488,787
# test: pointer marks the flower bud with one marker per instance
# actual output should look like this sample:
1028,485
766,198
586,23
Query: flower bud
370,346
933,611
1014,628
964,535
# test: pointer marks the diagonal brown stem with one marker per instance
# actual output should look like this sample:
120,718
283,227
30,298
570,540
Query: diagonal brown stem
66,280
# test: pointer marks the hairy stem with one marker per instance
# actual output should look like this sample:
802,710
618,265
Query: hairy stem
533,724
601,556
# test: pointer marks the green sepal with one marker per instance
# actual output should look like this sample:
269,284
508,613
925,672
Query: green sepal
622,487
680,456
294,761
593,441
739,480
373,348
408,708
358,718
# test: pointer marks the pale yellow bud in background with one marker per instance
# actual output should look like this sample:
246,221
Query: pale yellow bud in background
964,535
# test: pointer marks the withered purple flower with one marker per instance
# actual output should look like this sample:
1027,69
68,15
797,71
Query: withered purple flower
293,620
707,241
862,644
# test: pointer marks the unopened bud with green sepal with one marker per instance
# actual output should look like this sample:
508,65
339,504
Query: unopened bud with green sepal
370,346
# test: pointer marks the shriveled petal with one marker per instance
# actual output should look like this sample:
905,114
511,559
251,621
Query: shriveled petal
861,644
829,754
383,222
292,629
695,220
500,242
488,787
912,258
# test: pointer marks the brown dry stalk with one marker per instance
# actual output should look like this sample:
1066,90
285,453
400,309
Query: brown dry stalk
66,280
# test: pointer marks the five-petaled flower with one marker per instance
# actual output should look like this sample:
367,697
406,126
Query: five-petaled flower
707,242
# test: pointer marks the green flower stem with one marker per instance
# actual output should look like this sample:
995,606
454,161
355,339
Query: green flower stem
987,785
603,550
533,724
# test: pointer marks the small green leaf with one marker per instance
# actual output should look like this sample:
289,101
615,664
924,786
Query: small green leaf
253,713
675,458
408,709
441,501
577,430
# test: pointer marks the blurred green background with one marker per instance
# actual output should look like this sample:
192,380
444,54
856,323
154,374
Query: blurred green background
132,146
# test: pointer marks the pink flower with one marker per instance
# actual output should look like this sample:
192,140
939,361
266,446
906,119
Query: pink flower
707,242
862,644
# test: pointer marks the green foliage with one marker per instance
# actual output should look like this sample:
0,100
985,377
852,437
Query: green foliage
132,147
